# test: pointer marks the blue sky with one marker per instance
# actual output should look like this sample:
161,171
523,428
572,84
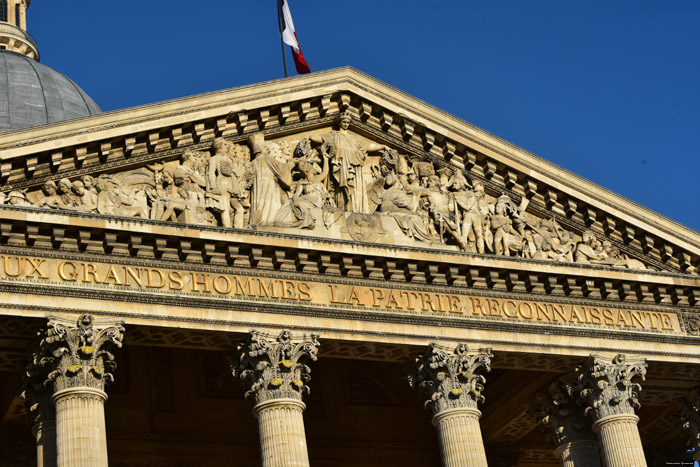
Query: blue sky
609,90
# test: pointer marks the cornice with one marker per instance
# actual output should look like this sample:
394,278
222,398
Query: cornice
163,129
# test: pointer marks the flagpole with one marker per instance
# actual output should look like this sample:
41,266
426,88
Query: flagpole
284,54
284,59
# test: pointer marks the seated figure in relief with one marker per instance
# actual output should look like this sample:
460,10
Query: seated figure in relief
185,202
592,251
86,201
589,250
112,200
559,243
51,198
402,198
17,198
308,192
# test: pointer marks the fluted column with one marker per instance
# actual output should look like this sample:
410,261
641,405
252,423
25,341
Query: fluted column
77,364
37,399
690,417
278,378
605,387
566,426
81,439
45,434
453,389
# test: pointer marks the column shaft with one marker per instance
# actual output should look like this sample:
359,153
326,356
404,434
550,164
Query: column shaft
620,444
81,436
282,435
461,443
45,433
578,453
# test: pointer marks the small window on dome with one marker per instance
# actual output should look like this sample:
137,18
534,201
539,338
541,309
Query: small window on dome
3,47
3,10
18,15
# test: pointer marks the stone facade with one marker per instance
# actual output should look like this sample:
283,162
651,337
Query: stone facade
331,223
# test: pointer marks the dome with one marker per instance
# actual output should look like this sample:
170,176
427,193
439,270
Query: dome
33,94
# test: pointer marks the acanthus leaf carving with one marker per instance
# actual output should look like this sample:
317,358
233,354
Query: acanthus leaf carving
451,380
80,355
275,369
608,387
560,417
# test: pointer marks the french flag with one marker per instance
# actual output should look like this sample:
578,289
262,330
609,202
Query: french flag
289,36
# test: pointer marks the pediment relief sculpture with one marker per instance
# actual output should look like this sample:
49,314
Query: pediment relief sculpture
332,184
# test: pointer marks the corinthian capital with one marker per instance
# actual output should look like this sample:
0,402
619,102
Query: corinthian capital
449,380
274,369
560,417
78,356
690,417
606,387
36,394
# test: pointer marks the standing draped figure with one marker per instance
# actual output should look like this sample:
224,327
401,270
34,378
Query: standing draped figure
347,157
271,180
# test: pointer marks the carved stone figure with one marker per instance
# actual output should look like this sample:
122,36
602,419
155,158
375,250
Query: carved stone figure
89,183
191,163
17,198
326,177
400,197
347,157
508,227
547,240
391,195
440,212
586,251
468,205
69,200
86,201
111,201
309,192
227,185
50,198
271,180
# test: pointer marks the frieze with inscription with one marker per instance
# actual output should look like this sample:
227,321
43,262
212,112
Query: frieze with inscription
241,287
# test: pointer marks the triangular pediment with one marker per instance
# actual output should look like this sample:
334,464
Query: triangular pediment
403,174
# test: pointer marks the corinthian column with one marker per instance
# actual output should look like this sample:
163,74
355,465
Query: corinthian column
37,398
606,389
453,390
690,417
78,365
277,377
566,426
